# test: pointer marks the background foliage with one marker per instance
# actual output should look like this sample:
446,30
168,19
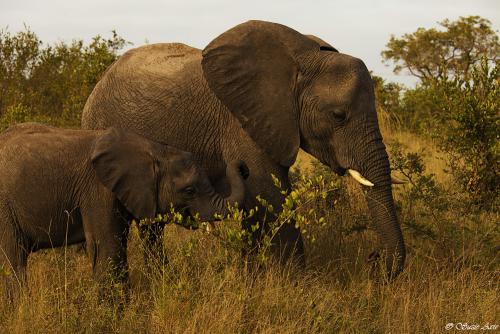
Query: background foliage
431,54
50,83
457,101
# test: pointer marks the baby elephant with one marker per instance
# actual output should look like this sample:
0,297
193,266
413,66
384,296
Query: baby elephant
60,187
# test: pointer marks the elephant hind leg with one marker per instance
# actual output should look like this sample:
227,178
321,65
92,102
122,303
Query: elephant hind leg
13,258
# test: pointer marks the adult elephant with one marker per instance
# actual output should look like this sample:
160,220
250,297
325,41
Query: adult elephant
257,92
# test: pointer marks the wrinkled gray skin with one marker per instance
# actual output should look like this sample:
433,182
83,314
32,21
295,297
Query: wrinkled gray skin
60,187
257,92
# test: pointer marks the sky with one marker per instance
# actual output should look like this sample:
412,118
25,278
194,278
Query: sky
360,28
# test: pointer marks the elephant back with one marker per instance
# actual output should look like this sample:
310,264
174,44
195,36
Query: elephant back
161,59
138,83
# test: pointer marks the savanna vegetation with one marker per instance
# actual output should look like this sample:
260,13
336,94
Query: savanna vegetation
443,138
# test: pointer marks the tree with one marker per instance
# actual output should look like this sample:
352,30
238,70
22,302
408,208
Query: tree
430,53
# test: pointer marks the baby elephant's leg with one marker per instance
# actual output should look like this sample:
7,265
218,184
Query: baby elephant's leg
13,258
106,239
155,257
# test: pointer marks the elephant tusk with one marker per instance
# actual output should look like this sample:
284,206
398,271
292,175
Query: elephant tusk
395,180
358,177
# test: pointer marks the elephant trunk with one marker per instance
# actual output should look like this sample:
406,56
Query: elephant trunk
381,205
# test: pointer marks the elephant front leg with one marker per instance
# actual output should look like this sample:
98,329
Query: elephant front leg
155,257
286,245
106,239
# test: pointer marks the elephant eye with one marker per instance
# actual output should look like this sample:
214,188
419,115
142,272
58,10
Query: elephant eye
340,115
189,191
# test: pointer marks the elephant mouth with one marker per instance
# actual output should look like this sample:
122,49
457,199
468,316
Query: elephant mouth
339,170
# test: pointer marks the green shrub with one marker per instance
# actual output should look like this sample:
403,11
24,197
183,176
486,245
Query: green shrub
462,116
50,83
469,132
440,220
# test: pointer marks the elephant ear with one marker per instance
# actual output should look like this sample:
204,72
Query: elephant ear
251,68
322,44
124,163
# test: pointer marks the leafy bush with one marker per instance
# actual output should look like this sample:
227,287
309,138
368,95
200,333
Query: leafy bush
50,83
304,207
462,116
457,101
469,132
441,217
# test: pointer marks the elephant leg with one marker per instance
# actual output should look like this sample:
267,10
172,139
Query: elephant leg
287,245
106,240
154,251
13,258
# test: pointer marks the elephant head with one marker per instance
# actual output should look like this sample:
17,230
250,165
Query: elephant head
147,177
289,90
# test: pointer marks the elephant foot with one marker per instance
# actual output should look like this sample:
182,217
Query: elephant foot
373,262
115,294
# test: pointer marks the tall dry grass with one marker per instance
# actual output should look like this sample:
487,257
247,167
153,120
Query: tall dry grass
206,288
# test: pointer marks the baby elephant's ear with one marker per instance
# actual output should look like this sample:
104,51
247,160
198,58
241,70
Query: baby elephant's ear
125,164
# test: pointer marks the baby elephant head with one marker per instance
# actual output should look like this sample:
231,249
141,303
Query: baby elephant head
147,177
